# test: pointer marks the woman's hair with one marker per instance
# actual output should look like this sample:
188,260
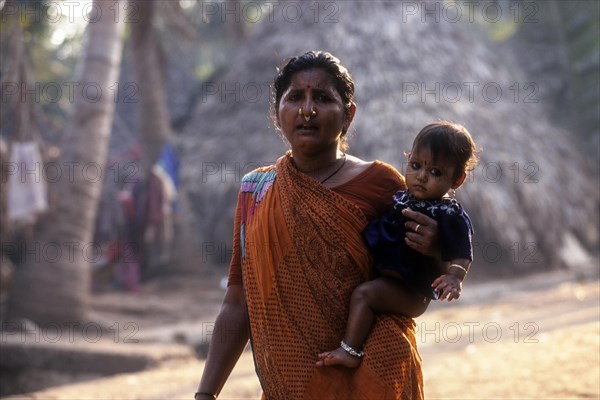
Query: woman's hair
341,78
449,142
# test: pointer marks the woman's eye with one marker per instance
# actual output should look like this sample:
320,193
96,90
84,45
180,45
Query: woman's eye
322,97
436,172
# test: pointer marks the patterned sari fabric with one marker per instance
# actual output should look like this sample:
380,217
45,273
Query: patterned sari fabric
302,255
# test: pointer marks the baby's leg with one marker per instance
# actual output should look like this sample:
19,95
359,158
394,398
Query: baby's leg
381,295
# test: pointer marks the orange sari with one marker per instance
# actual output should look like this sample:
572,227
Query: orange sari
302,255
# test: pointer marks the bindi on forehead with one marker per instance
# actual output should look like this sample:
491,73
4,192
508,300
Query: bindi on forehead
313,81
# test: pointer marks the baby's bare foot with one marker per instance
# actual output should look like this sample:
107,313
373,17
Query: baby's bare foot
338,356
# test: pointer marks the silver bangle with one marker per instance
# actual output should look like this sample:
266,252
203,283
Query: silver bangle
459,267
351,351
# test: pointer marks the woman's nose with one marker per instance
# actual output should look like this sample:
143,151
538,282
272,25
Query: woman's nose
308,105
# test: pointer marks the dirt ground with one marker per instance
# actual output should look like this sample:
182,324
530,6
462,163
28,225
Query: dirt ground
533,338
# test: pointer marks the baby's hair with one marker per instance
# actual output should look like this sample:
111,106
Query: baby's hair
450,142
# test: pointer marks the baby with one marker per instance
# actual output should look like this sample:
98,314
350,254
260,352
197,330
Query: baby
407,280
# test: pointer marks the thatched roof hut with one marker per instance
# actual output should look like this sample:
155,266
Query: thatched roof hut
533,198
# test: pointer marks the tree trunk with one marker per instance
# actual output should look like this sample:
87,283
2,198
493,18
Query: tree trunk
53,283
153,115
18,123
18,113
155,124
235,22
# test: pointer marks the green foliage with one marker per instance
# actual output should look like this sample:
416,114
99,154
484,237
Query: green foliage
52,44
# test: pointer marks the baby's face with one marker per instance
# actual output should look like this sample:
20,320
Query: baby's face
426,180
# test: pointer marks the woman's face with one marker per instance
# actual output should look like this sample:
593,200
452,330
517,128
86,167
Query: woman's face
313,90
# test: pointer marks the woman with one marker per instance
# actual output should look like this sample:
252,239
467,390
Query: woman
298,254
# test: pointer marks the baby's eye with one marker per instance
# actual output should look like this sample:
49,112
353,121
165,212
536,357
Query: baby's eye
415,165
436,172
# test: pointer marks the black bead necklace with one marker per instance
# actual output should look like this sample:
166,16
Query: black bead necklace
330,176
336,171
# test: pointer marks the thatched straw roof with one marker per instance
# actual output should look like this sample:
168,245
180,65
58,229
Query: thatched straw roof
534,198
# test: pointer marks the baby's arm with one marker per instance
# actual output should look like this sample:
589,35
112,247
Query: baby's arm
449,285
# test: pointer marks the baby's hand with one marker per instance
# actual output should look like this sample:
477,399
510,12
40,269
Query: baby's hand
447,286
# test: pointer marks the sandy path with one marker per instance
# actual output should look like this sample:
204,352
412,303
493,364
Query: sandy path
503,340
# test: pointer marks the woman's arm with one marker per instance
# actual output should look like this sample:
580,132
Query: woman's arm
229,340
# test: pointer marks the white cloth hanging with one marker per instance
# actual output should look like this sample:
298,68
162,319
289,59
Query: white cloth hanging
27,195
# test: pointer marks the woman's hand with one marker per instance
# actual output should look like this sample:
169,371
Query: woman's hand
422,233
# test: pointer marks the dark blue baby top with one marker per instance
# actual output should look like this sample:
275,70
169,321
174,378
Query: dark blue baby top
385,238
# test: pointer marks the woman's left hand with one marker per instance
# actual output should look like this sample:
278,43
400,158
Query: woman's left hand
422,233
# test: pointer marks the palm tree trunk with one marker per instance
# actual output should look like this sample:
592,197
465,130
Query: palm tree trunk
154,118
155,124
53,283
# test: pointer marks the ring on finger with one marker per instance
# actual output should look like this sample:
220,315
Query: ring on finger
417,228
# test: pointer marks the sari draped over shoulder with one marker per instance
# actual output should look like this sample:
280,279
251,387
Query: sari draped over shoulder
302,255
